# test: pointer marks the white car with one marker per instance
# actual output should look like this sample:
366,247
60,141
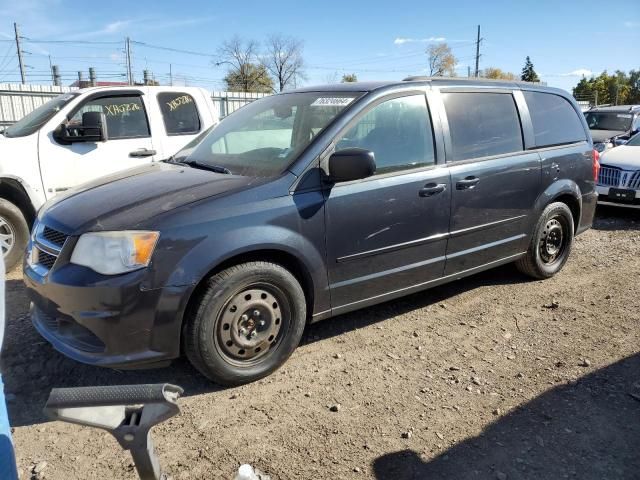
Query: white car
619,179
80,136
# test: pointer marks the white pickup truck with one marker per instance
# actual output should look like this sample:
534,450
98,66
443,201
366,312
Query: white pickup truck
89,133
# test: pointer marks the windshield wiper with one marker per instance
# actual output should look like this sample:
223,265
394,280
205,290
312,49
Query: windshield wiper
203,166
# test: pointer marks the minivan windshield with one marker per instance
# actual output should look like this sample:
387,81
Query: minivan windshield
618,121
263,138
38,117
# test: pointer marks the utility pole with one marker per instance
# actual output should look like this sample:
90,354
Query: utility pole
478,53
55,71
19,50
92,76
468,71
129,71
53,77
170,76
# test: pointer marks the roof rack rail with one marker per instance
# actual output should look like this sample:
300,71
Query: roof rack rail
424,78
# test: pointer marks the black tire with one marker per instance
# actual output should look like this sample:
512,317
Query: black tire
231,349
13,224
540,262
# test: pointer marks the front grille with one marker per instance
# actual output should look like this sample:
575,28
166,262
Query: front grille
609,176
54,236
45,259
634,181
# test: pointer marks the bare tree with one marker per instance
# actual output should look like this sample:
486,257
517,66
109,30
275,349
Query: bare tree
442,62
245,71
283,60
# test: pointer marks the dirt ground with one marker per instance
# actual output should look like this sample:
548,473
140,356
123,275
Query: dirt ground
494,376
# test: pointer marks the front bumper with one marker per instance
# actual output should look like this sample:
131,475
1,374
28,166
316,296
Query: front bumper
605,199
106,321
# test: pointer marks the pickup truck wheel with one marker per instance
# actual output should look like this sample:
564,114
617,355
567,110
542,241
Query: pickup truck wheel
14,233
551,243
246,324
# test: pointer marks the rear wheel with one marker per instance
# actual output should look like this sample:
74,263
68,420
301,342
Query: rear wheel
246,324
551,243
14,233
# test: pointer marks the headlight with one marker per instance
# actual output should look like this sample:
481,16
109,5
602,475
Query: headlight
111,253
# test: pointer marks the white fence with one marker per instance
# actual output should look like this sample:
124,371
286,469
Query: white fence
17,100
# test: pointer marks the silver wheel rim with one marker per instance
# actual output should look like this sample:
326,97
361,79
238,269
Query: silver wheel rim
248,326
7,237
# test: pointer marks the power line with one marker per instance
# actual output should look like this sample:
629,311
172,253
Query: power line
176,50
78,42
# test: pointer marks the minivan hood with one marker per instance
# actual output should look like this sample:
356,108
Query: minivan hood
624,156
127,198
602,135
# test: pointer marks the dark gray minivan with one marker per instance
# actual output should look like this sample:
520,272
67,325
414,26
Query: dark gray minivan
305,205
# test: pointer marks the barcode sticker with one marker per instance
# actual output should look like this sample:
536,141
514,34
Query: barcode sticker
332,102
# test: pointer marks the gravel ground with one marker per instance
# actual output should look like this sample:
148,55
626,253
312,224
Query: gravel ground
494,376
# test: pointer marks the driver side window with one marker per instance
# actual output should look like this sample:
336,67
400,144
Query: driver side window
126,117
397,131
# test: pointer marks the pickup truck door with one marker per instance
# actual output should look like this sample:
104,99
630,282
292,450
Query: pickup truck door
179,117
129,144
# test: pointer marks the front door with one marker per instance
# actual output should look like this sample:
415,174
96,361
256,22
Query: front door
129,145
494,182
387,233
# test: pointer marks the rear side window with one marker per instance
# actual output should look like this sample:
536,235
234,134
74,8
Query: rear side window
482,124
555,122
179,113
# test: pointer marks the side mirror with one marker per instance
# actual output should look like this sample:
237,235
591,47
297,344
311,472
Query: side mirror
92,129
351,164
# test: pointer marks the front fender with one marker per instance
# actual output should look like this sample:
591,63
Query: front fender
199,261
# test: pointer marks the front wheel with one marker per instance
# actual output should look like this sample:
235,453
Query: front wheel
551,243
14,233
246,324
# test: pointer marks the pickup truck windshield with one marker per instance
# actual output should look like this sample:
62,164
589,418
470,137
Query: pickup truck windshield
263,138
617,121
41,115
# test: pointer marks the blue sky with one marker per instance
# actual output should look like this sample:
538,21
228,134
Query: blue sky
374,39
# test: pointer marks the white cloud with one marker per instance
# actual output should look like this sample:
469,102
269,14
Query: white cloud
632,24
580,72
116,26
403,40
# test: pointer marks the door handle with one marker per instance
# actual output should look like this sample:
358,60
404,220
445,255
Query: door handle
467,183
431,189
142,152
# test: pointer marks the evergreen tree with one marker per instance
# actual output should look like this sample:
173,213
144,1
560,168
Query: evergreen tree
528,73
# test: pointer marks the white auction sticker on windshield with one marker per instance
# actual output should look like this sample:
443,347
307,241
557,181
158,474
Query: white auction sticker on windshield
332,102
624,115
